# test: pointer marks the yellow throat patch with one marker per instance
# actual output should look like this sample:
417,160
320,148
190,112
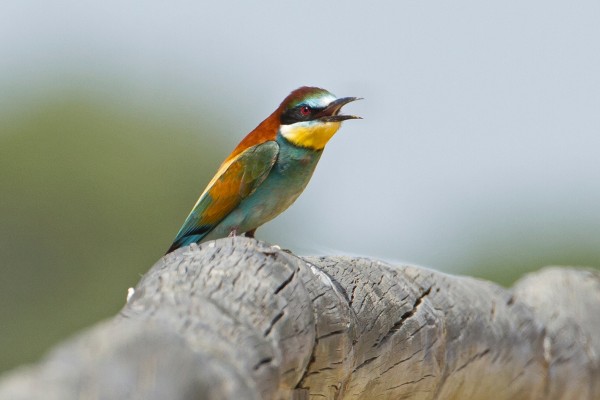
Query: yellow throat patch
313,135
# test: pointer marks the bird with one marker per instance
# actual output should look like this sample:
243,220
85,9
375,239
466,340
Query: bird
268,169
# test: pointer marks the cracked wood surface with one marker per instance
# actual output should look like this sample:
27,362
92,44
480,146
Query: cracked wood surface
239,319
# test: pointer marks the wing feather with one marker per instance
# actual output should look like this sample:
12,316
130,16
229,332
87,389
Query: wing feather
237,179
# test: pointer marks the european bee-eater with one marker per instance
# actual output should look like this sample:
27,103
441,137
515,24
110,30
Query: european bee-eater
268,170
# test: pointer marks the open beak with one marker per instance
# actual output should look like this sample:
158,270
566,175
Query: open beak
331,112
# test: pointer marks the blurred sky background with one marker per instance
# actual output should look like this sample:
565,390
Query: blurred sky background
479,152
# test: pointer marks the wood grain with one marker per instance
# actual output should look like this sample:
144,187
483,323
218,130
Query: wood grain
240,319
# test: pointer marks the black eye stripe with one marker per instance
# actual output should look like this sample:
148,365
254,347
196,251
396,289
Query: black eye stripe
294,115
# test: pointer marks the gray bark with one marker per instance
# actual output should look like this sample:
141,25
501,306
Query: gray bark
239,319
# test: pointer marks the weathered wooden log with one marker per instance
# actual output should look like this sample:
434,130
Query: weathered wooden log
239,319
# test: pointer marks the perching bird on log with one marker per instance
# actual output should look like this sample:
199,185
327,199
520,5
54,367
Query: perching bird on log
268,170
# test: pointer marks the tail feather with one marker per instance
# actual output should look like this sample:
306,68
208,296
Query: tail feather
185,241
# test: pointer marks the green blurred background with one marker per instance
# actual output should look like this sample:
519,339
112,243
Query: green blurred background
87,207
478,153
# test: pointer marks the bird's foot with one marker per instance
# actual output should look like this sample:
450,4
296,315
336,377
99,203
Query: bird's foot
233,232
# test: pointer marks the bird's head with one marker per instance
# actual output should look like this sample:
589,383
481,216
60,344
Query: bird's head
310,116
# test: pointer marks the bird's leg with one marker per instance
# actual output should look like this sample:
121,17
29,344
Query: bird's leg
251,233
233,232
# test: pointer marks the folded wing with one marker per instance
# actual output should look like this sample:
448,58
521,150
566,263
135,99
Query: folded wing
236,179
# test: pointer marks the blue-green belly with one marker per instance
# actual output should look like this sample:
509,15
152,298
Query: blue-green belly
286,180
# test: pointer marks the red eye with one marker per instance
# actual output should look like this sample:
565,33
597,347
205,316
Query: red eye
305,110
